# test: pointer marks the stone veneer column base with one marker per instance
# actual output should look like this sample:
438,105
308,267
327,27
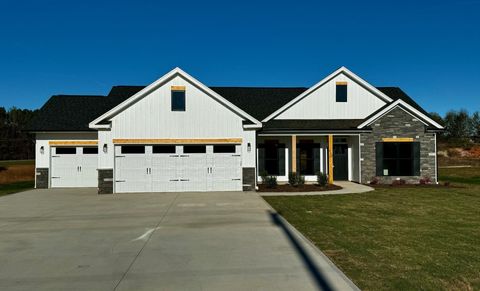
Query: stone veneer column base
41,178
105,181
248,179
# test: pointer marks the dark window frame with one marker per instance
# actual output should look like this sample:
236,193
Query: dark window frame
94,150
66,152
397,159
132,149
194,149
224,149
176,103
341,93
164,149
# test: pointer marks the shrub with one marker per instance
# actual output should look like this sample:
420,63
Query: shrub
425,181
322,179
374,181
446,184
398,182
263,176
271,181
295,179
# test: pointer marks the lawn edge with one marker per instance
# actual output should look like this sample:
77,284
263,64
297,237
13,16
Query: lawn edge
314,247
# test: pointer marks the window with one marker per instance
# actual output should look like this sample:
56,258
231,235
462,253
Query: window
66,151
308,158
271,158
178,100
133,149
341,92
398,158
219,149
90,151
194,149
163,149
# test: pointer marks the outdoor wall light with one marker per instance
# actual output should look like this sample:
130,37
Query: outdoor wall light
105,148
249,147
42,150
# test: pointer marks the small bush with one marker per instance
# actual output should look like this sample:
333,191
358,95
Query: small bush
446,184
374,181
398,182
425,181
263,176
271,181
322,179
295,179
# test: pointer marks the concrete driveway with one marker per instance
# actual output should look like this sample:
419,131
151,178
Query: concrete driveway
73,239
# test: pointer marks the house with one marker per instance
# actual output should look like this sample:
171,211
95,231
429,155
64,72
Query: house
177,134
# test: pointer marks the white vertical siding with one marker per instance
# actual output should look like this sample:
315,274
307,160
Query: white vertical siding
43,139
152,116
321,103
105,160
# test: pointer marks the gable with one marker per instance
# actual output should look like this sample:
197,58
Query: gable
152,115
321,102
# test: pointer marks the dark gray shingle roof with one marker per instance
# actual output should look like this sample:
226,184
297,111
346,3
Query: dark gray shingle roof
75,112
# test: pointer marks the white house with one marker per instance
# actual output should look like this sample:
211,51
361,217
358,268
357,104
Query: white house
177,134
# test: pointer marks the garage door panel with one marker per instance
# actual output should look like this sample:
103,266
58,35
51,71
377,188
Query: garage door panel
71,168
131,173
164,175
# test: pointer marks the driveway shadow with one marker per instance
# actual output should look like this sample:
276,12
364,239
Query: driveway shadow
320,280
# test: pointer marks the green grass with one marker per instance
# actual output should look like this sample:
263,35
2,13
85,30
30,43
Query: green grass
16,162
395,239
15,187
460,175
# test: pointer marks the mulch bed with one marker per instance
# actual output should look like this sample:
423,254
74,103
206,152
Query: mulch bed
302,188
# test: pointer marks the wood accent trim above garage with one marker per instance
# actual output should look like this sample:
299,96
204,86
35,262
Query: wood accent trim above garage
397,139
177,141
178,88
72,142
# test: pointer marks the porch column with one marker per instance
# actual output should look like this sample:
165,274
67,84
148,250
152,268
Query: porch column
330,159
294,153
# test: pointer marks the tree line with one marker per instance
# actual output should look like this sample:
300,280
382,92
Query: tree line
460,126
15,143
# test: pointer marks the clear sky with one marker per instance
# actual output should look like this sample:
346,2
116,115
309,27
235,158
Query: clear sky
431,49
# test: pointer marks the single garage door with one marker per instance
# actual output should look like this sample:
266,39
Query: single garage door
177,168
74,167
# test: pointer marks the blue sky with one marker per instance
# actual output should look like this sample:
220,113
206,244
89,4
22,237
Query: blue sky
431,49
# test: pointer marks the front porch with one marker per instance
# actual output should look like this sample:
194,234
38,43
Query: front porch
336,155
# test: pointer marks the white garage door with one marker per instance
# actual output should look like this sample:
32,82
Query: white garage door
74,167
170,168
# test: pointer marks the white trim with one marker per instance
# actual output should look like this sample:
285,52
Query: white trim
343,70
436,158
392,106
359,159
142,93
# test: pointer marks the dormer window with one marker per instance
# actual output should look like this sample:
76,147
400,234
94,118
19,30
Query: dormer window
341,92
178,98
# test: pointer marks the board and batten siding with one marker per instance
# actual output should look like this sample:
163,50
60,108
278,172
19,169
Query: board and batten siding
321,103
204,118
44,139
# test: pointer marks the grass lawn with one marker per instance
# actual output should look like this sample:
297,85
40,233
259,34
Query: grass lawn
16,162
16,187
397,239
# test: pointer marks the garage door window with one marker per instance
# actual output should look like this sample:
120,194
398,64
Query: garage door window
66,151
194,149
133,149
90,151
163,149
219,149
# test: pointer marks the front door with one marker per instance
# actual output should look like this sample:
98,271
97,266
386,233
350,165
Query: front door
340,162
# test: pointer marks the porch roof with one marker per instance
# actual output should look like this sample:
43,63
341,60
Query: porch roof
315,124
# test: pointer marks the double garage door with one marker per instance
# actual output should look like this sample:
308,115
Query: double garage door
177,168
74,167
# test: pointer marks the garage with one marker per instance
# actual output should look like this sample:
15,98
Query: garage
74,166
178,168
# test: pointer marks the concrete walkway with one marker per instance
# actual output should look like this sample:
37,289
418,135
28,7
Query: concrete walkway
73,239
347,188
